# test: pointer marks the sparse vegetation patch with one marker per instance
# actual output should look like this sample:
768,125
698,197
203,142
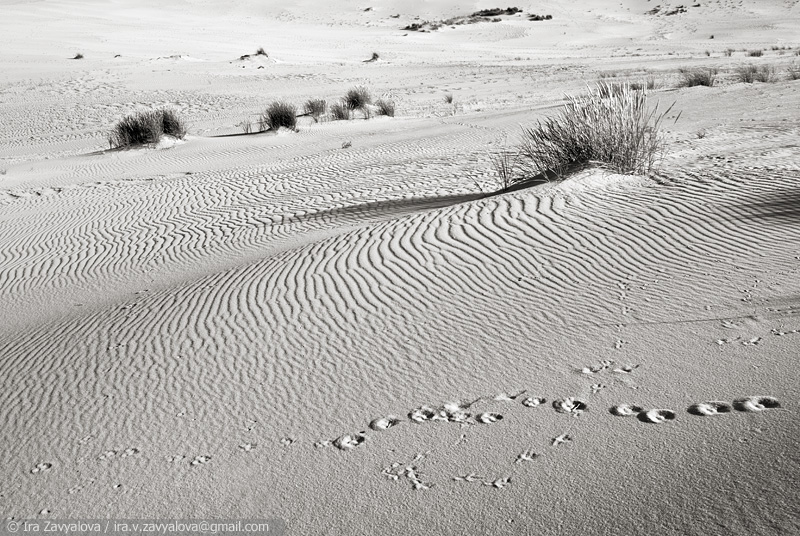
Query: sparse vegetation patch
752,73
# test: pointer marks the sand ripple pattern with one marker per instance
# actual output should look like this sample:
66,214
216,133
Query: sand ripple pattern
286,261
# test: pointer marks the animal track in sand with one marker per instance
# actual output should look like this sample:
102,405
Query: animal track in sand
409,471
349,442
200,460
569,405
656,416
533,401
42,467
450,412
488,417
503,397
560,440
756,403
706,409
597,368
247,447
626,410
500,483
527,456
384,423
107,455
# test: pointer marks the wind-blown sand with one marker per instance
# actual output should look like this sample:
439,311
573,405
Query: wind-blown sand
365,340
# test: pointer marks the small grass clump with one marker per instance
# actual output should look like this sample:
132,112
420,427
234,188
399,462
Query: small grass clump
278,114
751,73
448,98
385,107
794,71
698,77
357,98
648,83
729,52
340,111
619,132
315,108
78,56
755,53
261,52
145,127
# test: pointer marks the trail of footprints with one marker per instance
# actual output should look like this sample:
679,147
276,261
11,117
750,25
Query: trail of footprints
463,414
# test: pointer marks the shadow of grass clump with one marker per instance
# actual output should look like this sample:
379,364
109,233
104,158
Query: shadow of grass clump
610,127
145,127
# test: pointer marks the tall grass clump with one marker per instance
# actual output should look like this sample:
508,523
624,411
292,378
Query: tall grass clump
649,83
315,108
619,132
751,73
755,53
147,126
794,71
339,111
357,98
385,107
728,52
278,114
698,77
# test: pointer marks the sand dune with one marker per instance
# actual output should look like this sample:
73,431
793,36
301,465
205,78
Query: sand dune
350,327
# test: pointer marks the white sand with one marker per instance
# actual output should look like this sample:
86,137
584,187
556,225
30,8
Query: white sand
244,298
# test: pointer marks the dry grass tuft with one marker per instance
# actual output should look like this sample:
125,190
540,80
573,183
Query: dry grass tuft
751,73
357,98
385,107
698,77
145,127
278,114
315,108
339,111
617,131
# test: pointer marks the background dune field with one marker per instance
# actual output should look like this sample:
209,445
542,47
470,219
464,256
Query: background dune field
349,327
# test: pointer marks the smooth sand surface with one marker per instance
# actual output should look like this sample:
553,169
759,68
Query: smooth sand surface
363,338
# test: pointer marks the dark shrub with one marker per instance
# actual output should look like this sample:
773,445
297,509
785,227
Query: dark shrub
357,98
278,114
146,127
385,107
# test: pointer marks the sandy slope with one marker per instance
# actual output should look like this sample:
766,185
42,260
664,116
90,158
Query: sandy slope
202,329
